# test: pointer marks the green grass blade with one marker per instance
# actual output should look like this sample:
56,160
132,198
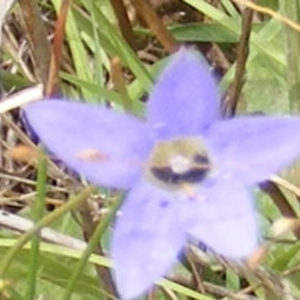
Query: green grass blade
38,211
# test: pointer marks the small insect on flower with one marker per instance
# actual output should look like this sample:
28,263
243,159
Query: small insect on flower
188,172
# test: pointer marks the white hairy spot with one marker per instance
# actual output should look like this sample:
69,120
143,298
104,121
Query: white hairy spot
179,164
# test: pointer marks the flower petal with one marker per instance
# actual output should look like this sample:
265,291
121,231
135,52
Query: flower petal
105,146
223,218
253,148
185,99
147,239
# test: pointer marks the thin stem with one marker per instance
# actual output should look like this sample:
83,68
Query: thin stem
153,21
124,22
38,211
235,89
101,227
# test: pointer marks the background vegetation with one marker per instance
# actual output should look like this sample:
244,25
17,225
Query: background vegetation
110,52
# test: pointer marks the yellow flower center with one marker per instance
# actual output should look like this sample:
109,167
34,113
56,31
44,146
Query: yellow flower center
178,162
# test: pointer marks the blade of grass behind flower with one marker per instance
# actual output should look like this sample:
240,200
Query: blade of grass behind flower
291,9
283,261
71,204
127,57
113,44
99,74
256,95
56,267
183,290
231,9
126,53
107,94
260,45
79,55
202,32
38,211
57,250
232,280
101,227
61,251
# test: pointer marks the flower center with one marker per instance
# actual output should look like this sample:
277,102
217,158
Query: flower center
178,161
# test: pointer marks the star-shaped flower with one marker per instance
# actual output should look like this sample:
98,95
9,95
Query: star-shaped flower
188,172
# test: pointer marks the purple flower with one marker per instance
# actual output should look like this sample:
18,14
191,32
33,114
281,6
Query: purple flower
189,172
